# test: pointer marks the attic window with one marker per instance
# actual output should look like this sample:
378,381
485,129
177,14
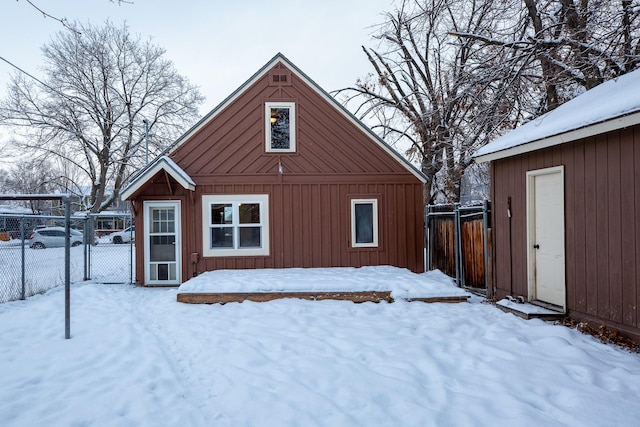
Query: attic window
280,78
280,127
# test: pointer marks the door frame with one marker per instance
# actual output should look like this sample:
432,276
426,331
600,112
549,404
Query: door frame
147,205
531,231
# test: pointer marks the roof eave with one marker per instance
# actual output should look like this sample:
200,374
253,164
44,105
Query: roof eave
162,163
609,125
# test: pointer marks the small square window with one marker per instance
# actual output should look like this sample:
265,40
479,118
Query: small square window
280,127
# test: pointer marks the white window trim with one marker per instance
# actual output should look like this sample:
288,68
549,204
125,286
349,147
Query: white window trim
292,126
375,243
207,201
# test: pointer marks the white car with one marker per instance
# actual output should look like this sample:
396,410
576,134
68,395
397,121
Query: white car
53,237
124,236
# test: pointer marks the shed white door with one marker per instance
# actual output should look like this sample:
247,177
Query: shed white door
162,243
546,236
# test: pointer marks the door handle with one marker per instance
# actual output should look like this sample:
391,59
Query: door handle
536,246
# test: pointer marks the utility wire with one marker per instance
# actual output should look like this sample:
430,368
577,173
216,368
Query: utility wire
30,75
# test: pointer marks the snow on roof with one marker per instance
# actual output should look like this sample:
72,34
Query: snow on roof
580,117
15,210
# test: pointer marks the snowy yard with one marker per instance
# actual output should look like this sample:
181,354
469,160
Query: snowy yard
44,268
139,358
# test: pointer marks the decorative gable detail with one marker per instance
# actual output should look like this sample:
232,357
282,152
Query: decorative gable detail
165,164
279,77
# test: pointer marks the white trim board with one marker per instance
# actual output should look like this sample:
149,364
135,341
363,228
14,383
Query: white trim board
162,163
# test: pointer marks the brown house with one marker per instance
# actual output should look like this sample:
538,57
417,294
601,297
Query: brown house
278,175
566,197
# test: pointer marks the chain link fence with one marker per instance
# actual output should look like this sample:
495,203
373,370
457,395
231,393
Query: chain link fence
32,253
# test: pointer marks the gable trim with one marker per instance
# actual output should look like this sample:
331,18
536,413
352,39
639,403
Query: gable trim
162,164
562,138
279,58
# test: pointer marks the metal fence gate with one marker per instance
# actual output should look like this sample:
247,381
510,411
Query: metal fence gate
459,243
26,270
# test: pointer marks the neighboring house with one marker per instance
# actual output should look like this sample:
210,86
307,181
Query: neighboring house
566,207
278,175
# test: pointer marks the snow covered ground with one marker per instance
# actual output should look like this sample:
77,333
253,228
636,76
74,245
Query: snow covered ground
139,358
401,282
44,268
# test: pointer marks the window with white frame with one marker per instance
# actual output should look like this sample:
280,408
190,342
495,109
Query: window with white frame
235,225
364,223
280,127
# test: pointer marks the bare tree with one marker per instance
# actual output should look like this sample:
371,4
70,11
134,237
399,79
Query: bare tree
436,91
4,184
31,176
450,75
64,21
568,46
100,84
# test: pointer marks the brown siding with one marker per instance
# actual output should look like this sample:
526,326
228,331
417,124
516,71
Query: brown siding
310,201
602,207
309,226
232,144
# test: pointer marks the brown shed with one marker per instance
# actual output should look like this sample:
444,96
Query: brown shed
278,175
566,197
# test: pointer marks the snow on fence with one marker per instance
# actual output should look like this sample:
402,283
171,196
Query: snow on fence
459,243
26,271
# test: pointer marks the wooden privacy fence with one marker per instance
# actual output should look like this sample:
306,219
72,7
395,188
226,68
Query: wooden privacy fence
459,243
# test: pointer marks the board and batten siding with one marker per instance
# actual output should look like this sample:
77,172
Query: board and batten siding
328,143
309,190
309,225
602,226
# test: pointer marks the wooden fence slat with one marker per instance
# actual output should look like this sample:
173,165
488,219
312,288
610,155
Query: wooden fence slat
442,246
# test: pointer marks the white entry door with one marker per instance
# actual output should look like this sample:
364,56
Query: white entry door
546,252
162,243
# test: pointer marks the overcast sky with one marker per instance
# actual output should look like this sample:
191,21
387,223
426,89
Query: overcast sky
216,44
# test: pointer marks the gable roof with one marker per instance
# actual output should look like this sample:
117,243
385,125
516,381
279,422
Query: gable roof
160,163
612,105
280,58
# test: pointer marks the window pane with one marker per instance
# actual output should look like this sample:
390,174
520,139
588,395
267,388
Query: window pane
249,213
162,248
250,237
221,214
280,128
364,222
222,237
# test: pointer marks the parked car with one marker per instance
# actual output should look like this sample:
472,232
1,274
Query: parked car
124,236
52,237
